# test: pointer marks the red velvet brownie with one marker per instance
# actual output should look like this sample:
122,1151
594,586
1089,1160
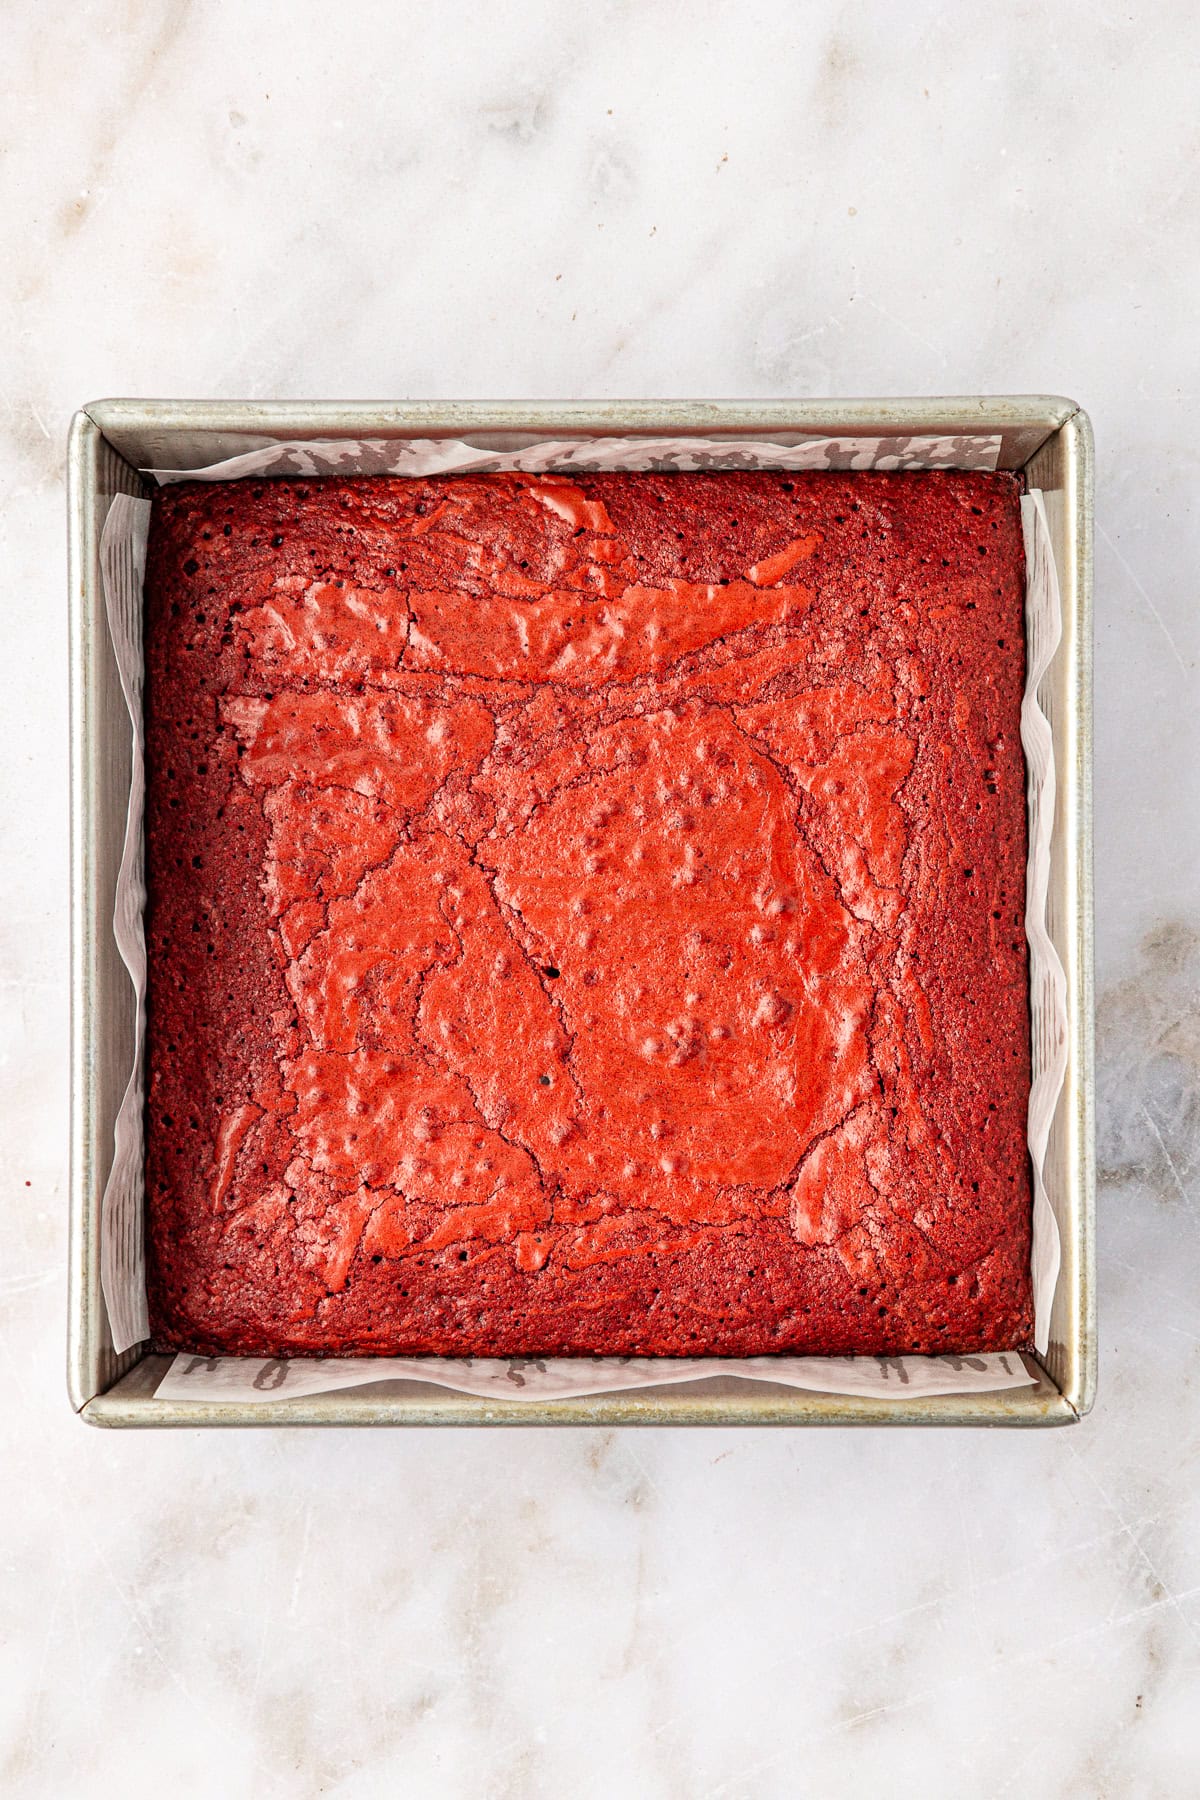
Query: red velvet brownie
587,916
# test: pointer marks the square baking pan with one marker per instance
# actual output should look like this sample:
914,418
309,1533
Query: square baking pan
1047,438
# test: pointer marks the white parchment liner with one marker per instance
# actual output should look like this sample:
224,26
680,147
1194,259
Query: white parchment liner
122,1253
122,1212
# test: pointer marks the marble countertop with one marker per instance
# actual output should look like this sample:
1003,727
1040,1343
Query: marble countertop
656,199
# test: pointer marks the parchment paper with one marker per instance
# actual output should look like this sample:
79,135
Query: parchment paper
567,1378
429,456
122,1212
122,1252
1047,979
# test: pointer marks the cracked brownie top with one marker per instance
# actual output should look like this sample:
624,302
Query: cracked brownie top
587,916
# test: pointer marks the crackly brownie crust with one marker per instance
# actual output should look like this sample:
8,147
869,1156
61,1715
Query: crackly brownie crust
587,916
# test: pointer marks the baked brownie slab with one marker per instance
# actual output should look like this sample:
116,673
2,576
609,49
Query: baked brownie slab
587,916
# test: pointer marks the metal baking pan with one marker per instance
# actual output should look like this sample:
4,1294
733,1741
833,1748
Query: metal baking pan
1049,438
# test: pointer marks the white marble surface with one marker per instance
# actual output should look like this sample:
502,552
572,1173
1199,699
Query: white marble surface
652,199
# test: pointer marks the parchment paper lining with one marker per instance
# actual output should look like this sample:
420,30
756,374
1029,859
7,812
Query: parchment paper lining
122,1212
430,456
569,1378
122,556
